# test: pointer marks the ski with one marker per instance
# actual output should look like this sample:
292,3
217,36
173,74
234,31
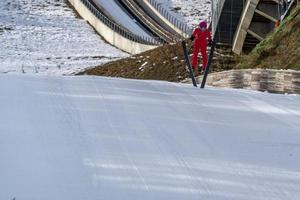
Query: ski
188,63
209,62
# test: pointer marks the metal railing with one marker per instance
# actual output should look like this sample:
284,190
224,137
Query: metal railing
286,6
121,30
171,18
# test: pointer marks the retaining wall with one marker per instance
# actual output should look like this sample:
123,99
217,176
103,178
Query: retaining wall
109,34
275,81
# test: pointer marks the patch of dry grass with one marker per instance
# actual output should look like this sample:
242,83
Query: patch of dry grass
280,50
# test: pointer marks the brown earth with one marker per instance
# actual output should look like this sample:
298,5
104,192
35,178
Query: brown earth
163,63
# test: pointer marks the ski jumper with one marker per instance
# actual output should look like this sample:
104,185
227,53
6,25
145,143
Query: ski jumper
200,44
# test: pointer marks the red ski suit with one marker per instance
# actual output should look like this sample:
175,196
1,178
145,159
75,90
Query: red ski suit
200,43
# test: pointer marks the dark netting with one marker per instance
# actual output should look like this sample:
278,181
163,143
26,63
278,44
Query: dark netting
228,13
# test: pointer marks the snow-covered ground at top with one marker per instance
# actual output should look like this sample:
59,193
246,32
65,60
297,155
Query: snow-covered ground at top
44,36
122,17
189,11
77,138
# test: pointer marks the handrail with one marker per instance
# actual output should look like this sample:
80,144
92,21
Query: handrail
171,18
148,21
119,29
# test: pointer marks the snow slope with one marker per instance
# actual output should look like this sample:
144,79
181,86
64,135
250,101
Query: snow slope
76,138
122,17
189,11
44,36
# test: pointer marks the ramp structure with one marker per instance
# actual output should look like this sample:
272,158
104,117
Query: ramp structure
242,24
133,26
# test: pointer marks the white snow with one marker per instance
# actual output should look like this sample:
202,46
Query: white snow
76,138
122,17
189,11
45,37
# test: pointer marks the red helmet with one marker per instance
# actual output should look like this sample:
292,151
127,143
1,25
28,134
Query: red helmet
203,24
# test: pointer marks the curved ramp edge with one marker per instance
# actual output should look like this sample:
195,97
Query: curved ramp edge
111,36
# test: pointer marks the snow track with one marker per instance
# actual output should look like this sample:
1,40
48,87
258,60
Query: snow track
94,138
120,15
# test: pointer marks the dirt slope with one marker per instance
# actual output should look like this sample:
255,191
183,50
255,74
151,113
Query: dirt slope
163,63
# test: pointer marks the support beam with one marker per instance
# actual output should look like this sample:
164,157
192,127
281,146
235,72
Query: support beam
276,1
266,15
255,35
244,25
257,20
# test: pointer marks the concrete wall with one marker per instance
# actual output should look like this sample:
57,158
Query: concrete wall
275,81
107,33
